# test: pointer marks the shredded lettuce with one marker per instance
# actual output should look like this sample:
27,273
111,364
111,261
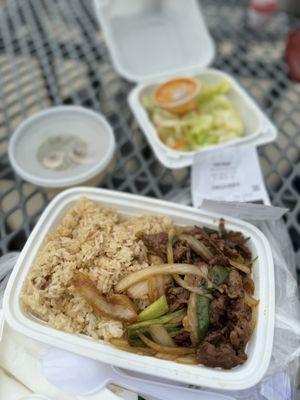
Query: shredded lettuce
214,120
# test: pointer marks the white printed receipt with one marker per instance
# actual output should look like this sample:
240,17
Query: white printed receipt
228,174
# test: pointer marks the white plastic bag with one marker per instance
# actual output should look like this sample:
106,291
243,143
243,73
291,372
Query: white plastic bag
7,263
280,380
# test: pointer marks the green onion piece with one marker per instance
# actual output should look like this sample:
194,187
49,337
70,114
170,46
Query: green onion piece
135,341
172,318
155,310
251,262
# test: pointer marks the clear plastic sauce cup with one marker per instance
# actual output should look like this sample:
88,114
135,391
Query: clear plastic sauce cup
177,95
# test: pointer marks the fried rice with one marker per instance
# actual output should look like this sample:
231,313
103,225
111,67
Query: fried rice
95,240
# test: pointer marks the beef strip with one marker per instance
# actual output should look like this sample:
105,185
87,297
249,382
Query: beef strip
220,260
183,339
230,252
240,334
240,315
222,228
235,240
214,243
215,238
196,259
217,311
177,297
182,252
210,240
225,347
239,310
241,248
223,355
218,336
244,251
234,287
156,244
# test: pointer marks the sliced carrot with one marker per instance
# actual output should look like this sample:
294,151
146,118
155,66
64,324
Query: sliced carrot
180,143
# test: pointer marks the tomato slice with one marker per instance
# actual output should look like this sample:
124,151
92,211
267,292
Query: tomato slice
292,54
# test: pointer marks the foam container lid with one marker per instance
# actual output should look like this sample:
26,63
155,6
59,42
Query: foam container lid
259,348
150,42
148,39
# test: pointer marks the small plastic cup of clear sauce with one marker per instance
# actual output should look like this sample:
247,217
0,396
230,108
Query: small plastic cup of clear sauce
177,95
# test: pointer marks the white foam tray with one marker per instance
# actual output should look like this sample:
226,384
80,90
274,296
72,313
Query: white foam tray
259,348
258,129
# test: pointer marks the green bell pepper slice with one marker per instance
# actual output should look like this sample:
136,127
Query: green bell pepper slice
202,316
218,274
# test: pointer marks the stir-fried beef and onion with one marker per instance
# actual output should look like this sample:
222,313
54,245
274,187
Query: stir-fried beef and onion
202,309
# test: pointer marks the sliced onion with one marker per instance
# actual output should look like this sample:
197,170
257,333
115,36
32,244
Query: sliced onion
122,344
123,300
189,359
138,290
152,289
170,254
166,349
248,285
190,279
184,229
199,247
253,320
185,323
181,282
178,318
166,356
192,319
160,283
164,269
157,285
240,266
119,309
240,259
155,260
160,335
251,301
203,267
175,333
118,341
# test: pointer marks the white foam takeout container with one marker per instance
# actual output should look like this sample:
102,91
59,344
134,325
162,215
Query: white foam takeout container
150,42
259,348
258,129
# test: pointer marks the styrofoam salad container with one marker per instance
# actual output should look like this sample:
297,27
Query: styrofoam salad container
258,129
150,42
259,348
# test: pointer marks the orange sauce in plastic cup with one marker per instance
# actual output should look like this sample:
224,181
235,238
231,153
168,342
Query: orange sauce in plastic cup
177,95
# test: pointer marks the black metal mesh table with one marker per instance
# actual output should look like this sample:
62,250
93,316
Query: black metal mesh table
53,52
